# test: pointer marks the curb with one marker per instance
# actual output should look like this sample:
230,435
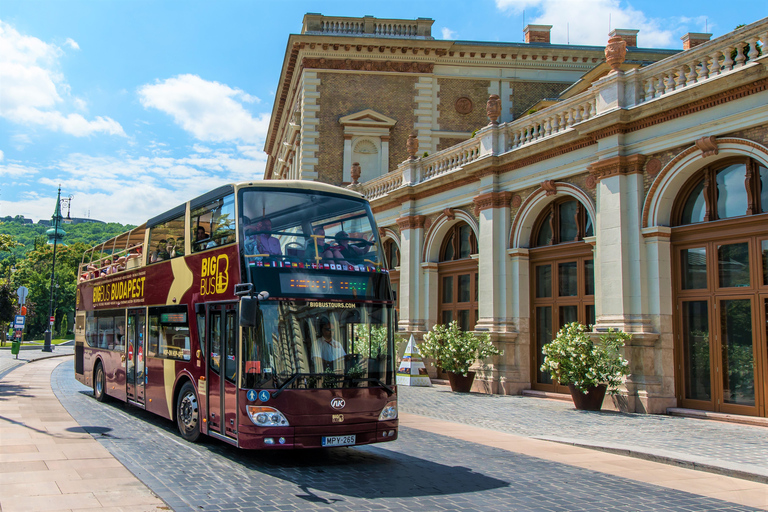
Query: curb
671,458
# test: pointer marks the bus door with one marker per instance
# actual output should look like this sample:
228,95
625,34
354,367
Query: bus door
135,376
222,369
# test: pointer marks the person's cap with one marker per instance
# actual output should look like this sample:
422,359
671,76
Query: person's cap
342,234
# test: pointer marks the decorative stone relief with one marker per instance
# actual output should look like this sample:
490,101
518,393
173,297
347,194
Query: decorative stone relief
591,182
653,166
550,187
707,145
516,201
463,105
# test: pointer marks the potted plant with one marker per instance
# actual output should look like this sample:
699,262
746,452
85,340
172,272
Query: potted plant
588,368
455,351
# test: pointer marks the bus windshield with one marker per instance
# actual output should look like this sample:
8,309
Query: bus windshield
294,243
314,345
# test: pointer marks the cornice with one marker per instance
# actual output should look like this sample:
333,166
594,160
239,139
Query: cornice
492,200
367,65
411,222
617,165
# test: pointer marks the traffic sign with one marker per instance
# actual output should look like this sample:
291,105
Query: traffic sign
22,292
17,334
18,322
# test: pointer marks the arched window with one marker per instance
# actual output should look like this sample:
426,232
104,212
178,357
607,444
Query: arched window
459,243
727,189
564,221
457,273
392,254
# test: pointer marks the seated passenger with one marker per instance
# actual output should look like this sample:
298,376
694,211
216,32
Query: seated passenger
349,251
201,237
261,239
324,250
160,253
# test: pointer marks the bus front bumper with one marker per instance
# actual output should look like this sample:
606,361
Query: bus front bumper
326,436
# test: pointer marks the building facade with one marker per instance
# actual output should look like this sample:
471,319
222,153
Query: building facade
633,197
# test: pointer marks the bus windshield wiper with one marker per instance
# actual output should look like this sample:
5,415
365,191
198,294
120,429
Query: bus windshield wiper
297,375
388,389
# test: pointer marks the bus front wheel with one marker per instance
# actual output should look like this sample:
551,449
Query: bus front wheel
99,384
188,413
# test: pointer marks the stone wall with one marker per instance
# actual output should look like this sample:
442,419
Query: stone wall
525,94
342,94
458,117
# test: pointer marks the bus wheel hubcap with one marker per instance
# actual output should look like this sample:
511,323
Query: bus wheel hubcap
188,411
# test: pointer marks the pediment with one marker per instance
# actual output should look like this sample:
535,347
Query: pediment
368,117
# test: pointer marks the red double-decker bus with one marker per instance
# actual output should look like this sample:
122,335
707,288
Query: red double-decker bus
260,314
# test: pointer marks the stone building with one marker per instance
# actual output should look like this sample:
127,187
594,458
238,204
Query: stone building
627,192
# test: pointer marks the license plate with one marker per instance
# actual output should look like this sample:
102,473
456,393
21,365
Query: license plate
338,440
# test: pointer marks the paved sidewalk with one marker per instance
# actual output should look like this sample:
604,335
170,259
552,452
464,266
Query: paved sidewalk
47,460
29,353
724,448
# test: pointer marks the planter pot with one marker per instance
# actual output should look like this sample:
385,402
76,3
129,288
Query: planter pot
460,383
592,400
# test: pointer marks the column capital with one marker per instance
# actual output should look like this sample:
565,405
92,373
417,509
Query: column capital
411,222
492,200
617,165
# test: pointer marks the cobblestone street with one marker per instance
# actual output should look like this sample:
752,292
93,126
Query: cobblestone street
420,471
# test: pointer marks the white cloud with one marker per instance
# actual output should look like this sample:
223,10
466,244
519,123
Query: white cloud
36,93
448,33
131,190
2,155
72,43
210,111
16,170
587,21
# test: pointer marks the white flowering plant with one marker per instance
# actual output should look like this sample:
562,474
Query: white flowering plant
573,358
455,350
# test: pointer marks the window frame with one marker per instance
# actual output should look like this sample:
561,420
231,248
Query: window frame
708,174
553,209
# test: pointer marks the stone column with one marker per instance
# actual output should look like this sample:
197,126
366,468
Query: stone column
347,163
411,246
621,276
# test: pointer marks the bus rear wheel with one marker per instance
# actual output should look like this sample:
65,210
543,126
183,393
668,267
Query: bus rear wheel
188,413
99,384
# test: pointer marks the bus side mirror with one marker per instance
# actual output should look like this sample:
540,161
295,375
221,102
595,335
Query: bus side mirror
249,309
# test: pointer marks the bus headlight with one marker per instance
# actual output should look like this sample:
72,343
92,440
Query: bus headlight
266,416
389,412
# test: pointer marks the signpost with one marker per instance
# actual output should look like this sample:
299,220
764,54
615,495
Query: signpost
22,292
18,322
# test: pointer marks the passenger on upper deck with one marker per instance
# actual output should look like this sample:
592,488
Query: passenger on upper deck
324,250
260,238
164,251
352,251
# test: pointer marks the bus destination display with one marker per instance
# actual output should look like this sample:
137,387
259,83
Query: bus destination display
321,284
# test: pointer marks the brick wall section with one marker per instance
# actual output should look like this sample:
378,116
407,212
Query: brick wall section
342,94
446,143
452,89
525,94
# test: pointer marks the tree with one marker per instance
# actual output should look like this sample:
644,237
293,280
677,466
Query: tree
7,309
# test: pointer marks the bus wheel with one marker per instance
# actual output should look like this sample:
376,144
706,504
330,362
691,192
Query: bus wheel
188,413
99,384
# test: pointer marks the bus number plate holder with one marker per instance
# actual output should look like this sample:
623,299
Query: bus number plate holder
338,440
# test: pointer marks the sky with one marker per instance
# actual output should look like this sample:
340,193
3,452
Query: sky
136,106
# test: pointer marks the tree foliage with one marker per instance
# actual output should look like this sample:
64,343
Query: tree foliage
23,246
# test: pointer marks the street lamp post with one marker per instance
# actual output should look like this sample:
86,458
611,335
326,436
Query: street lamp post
55,232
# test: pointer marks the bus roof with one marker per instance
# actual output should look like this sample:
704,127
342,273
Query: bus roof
300,184
136,235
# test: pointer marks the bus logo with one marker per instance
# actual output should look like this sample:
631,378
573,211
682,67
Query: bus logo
338,403
215,275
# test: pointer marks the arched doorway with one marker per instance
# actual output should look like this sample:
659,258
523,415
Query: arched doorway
562,279
720,283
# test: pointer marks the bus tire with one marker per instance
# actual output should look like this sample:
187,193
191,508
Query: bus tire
99,383
188,413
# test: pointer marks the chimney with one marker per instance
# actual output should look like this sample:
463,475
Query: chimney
693,39
628,35
537,33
